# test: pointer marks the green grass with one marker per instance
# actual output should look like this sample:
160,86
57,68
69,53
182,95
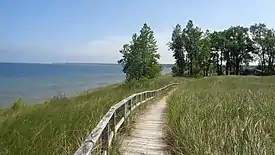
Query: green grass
58,126
222,115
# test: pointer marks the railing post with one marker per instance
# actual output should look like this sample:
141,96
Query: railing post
130,102
124,110
144,96
105,140
113,128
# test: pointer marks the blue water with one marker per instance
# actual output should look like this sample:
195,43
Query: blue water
35,82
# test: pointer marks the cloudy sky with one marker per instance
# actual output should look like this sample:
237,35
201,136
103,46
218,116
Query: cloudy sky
94,30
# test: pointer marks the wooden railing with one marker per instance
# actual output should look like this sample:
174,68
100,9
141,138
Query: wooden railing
105,131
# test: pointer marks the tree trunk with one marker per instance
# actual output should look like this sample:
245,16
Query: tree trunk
226,68
207,69
191,67
221,72
218,68
263,61
237,67
270,65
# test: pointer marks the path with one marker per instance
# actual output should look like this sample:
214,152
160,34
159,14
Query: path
146,138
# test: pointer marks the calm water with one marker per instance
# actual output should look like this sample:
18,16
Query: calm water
34,82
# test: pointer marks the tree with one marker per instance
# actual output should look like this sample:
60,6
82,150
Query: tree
258,32
176,45
140,57
191,49
270,46
264,39
199,52
240,47
191,42
218,43
205,50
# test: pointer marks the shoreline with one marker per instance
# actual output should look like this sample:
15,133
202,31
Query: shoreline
49,98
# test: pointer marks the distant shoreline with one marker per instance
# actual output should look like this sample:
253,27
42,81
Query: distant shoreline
35,83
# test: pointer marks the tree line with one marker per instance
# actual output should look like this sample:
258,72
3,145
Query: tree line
201,53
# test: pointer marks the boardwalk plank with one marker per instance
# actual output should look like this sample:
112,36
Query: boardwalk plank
146,138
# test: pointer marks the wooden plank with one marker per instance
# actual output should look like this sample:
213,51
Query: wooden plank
119,124
113,127
144,140
111,138
105,139
127,114
134,107
130,103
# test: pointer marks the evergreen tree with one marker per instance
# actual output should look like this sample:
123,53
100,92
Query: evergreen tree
205,51
191,42
140,57
176,45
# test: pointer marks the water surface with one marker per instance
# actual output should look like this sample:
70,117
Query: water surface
34,82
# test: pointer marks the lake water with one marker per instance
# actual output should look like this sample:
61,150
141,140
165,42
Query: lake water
34,82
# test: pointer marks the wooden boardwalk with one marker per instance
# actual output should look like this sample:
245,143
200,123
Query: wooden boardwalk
146,138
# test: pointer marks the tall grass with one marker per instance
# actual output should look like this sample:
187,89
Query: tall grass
58,126
223,115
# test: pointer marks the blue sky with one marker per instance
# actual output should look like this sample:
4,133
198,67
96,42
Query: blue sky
94,30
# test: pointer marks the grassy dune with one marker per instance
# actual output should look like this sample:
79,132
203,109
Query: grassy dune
59,126
223,115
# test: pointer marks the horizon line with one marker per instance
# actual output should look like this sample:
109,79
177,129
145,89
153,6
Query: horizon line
106,63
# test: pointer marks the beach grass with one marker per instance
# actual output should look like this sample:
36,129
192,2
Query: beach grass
222,115
58,126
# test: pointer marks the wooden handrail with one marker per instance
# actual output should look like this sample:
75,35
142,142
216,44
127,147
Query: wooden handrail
108,132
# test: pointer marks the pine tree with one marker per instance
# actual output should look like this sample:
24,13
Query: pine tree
140,57
176,45
191,42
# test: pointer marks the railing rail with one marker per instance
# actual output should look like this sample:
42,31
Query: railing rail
107,128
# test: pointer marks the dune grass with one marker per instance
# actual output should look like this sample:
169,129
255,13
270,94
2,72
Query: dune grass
58,126
222,115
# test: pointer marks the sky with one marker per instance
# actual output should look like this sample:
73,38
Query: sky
93,31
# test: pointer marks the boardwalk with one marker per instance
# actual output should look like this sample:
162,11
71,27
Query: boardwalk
146,138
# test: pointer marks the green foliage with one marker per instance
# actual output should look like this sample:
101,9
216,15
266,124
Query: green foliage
191,37
176,45
199,53
140,57
222,115
240,47
264,40
191,49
